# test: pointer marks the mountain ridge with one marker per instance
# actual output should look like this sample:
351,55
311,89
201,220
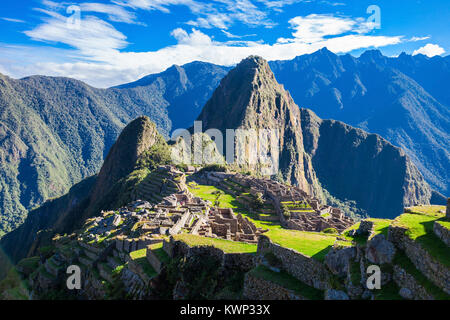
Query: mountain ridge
347,162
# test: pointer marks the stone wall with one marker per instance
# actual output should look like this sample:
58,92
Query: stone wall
435,271
442,232
259,289
408,285
241,261
302,267
154,261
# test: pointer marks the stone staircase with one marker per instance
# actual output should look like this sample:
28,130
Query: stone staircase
156,186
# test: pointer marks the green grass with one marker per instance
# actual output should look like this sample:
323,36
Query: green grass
355,272
403,261
140,257
388,292
29,264
160,253
312,244
380,227
445,224
287,281
420,229
226,246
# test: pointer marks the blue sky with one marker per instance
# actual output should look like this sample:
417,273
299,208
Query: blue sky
109,42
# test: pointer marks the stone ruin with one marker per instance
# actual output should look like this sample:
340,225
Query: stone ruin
140,223
223,223
314,216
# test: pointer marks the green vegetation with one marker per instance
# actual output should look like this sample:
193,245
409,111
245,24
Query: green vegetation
214,167
226,245
420,229
28,265
12,287
355,272
312,244
287,281
140,256
160,253
380,226
330,230
403,261
388,292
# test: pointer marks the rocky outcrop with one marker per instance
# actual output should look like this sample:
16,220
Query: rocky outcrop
379,250
338,260
409,287
332,294
251,98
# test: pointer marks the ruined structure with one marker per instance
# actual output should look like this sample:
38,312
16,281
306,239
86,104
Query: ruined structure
294,208
223,223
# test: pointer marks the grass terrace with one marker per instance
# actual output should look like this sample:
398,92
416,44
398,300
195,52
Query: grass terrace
159,252
380,226
313,244
140,257
420,229
226,246
403,261
287,281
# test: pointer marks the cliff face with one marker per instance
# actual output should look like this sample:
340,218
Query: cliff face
249,97
327,158
352,164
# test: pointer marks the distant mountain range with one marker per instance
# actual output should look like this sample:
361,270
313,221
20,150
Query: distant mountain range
54,132
406,100
329,159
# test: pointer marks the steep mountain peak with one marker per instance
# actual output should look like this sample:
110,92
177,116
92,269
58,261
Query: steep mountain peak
374,56
247,94
324,52
249,97
137,137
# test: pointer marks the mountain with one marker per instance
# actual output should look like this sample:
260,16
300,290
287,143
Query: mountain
54,132
403,99
127,163
325,157
184,88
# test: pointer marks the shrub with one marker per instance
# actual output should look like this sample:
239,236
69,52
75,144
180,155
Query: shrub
214,167
330,230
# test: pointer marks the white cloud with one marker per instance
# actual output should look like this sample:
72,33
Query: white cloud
220,20
315,27
160,5
414,39
98,57
115,67
430,50
115,13
91,37
13,20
